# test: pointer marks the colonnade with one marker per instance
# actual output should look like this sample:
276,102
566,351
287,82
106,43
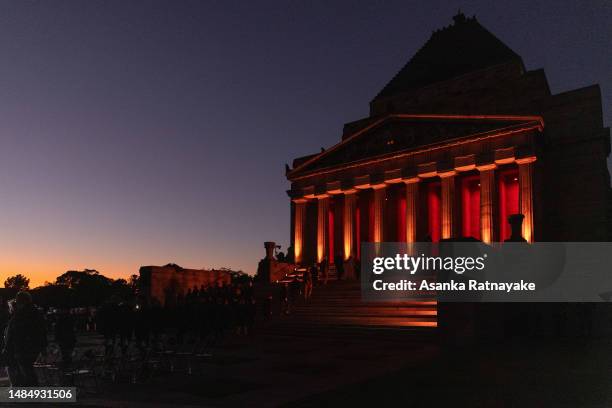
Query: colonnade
449,216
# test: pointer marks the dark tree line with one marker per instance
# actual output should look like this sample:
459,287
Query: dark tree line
74,289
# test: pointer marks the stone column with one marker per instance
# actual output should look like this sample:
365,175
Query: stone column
487,197
350,199
322,217
448,204
412,205
298,229
379,211
525,167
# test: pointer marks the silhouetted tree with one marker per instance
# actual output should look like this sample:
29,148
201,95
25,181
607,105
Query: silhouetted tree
122,289
53,295
75,279
17,282
89,286
239,277
134,282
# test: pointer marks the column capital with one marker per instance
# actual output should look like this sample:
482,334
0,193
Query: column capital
300,200
378,186
362,182
447,173
349,192
427,169
333,187
504,155
411,180
485,167
321,196
393,176
465,163
526,160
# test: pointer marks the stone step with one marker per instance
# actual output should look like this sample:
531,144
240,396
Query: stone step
332,274
306,326
359,305
357,296
404,335
337,310
358,302
389,321
367,313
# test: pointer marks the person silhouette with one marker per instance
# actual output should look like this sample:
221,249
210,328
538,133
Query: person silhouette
25,338
324,268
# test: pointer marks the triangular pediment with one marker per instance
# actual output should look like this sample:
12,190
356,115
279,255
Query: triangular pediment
403,133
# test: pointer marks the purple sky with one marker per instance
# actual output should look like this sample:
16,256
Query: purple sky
147,132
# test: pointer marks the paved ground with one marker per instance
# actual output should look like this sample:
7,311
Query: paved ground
517,374
267,372
315,372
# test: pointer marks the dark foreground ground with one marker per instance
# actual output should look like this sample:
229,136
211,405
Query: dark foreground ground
566,374
318,372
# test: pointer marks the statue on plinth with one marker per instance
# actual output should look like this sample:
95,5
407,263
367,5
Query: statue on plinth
516,226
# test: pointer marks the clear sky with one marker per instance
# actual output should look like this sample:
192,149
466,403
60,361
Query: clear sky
146,132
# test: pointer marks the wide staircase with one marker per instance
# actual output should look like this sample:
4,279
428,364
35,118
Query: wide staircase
337,310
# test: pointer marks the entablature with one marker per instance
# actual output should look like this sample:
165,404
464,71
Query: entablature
442,166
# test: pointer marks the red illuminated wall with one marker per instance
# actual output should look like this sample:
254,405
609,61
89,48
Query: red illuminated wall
434,216
508,199
394,226
470,206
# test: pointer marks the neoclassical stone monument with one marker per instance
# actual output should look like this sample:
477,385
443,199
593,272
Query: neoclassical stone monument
462,137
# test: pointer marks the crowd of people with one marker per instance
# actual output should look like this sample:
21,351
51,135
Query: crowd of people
345,269
202,314
200,318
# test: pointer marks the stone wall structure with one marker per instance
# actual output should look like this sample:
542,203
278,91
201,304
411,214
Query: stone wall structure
167,284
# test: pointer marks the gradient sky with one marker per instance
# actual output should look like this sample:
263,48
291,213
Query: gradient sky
146,132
